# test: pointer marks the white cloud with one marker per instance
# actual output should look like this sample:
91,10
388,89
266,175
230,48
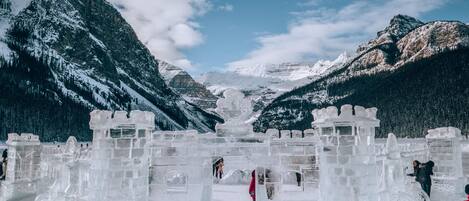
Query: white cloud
165,26
226,7
325,33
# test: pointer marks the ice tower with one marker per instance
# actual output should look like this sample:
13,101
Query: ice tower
347,158
445,151
120,157
235,110
23,168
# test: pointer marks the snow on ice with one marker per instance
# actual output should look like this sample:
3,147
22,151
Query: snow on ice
337,159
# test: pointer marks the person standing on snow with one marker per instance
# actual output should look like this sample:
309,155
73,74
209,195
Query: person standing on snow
424,176
466,189
416,166
252,186
4,164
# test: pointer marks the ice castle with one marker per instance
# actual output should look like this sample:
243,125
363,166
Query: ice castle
339,158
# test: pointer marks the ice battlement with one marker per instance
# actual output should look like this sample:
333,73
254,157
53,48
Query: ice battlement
24,138
290,134
347,113
443,133
106,119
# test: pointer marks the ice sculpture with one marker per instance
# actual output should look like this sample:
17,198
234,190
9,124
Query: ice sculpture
299,165
445,151
348,168
180,171
235,110
392,179
67,179
23,168
120,160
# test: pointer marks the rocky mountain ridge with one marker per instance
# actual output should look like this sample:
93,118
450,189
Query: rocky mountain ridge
181,82
407,64
64,58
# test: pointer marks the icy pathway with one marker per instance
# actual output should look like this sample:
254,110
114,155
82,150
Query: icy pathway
240,193
231,193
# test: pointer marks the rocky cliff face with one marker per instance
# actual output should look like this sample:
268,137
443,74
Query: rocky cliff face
182,83
413,72
63,58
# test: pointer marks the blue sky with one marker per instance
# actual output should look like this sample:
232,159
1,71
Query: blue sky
208,35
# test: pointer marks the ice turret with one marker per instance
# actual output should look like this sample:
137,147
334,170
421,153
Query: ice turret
119,161
347,158
445,151
23,167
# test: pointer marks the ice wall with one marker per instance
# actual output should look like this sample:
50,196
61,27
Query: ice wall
179,170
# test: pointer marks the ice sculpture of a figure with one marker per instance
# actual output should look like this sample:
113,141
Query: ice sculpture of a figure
66,184
120,161
235,110
393,172
348,167
445,151
23,168
71,159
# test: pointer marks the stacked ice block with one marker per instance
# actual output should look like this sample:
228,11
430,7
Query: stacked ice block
348,167
120,158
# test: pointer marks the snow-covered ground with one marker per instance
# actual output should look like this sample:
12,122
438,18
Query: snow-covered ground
240,193
231,193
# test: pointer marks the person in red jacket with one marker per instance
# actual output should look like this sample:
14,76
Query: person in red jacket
466,189
252,186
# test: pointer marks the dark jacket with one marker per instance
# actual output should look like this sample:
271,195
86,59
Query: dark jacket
424,173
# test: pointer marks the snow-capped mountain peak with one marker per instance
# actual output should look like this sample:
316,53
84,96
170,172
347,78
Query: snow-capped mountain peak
400,25
263,83
290,71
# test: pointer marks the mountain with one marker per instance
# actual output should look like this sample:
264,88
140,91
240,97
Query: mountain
263,83
415,73
62,58
289,71
181,82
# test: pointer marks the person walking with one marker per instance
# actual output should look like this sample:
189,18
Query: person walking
298,178
221,165
252,186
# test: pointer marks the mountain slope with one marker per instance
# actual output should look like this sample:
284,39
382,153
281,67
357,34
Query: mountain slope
79,55
181,82
417,79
